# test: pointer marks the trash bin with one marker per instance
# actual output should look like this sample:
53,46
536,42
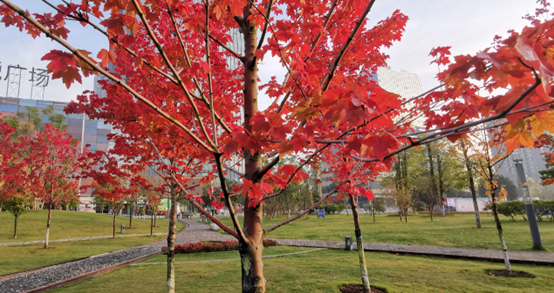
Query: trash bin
347,243
122,228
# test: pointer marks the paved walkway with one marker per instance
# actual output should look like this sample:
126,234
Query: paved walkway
450,252
194,232
75,239
201,232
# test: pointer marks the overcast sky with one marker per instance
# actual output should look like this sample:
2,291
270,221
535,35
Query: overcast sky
468,26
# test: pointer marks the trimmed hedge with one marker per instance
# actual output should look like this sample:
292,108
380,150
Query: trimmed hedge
333,208
199,247
544,209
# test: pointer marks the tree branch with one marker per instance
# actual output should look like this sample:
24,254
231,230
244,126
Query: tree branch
170,66
226,48
327,81
227,197
189,64
191,199
270,5
210,88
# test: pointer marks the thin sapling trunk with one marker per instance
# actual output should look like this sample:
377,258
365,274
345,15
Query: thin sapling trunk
501,236
171,242
48,225
114,214
472,187
15,227
131,217
361,254
152,225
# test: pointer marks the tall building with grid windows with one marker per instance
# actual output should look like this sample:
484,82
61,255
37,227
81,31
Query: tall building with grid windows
532,162
403,83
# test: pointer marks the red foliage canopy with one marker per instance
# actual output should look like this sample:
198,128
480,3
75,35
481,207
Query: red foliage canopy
180,93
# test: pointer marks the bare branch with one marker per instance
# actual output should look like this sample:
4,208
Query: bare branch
210,88
226,48
268,8
327,80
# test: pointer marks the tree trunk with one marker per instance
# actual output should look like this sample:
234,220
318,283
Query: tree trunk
500,235
361,255
15,228
152,225
432,172
374,217
472,187
171,242
406,216
497,220
440,174
48,225
431,214
155,218
400,215
130,216
114,215
251,248
253,280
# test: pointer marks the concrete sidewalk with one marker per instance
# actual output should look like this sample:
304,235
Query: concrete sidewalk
543,258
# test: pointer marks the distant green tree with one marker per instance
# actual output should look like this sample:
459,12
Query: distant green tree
17,206
30,120
375,206
548,173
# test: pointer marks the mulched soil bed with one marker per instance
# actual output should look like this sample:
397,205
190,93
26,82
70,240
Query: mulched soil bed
360,289
505,273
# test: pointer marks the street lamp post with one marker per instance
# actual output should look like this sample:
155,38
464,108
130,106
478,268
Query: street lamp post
528,201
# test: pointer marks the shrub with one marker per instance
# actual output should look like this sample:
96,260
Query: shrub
341,208
511,209
544,209
199,247
331,209
419,206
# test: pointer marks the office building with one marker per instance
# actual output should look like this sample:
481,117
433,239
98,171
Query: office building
403,83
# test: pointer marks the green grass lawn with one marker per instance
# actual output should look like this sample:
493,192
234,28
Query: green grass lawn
25,257
67,224
320,271
454,230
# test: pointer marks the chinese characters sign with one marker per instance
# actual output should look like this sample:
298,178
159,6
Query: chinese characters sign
15,76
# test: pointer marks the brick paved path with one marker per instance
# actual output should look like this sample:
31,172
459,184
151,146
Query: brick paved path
75,239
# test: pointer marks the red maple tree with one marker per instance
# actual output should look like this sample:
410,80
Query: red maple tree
53,162
180,92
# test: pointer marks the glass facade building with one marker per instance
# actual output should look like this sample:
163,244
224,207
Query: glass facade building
80,126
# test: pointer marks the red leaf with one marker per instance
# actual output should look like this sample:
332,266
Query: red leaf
58,60
381,145
106,57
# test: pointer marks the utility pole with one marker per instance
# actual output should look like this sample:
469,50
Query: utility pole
528,201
